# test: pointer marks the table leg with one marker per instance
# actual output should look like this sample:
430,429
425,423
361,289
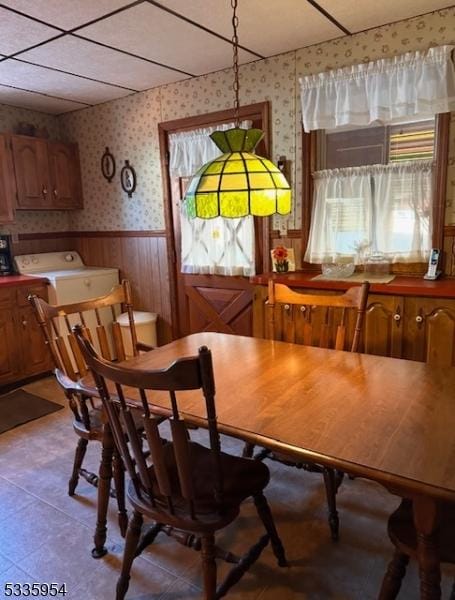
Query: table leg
104,487
426,521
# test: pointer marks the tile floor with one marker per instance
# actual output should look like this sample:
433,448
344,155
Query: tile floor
46,536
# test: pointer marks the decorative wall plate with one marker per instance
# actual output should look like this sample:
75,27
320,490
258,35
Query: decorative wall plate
128,179
108,165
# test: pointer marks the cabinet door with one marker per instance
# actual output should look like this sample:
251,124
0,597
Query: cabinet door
10,363
430,331
65,175
35,354
383,332
32,172
7,183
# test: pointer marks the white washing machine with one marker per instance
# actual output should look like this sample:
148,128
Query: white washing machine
70,280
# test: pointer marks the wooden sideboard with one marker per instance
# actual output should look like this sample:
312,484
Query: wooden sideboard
409,318
23,353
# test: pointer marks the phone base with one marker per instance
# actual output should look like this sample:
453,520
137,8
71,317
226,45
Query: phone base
432,277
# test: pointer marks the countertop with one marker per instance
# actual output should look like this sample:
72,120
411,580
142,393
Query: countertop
400,286
15,280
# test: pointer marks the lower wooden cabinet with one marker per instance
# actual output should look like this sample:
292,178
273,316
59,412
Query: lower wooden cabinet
383,329
23,352
410,327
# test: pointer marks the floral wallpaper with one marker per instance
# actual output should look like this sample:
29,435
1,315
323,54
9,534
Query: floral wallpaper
129,125
33,221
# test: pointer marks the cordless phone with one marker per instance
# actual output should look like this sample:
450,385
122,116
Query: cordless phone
432,272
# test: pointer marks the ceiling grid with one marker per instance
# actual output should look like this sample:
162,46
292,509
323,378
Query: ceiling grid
57,56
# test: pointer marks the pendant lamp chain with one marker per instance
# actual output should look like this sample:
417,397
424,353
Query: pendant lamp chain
235,60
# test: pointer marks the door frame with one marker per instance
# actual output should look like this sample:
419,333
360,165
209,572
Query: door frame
259,112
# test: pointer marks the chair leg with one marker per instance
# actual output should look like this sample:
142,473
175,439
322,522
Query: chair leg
208,553
132,540
248,450
331,492
396,570
266,517
119,481
79,455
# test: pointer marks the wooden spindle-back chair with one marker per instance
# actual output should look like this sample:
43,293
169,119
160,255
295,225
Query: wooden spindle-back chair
327,321
317,319
182,485
56,324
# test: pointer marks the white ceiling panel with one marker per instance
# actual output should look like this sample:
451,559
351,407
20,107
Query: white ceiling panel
66,13
374,13
84,58
148,31
70,87
17,33
266,27
34,101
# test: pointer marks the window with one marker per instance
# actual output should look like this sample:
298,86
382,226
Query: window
375,187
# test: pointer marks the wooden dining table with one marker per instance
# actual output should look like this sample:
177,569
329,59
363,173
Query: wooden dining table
389,420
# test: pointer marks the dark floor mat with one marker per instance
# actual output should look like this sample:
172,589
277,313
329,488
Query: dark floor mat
19,407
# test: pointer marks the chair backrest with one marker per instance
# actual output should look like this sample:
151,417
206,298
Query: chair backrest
317,320
118,386
99,319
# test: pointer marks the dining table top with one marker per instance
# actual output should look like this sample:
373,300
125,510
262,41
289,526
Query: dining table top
386,419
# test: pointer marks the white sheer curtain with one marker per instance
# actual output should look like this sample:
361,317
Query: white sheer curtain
210,246
414,85
388,207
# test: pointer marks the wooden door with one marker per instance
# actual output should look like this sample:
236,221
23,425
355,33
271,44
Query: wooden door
430,331
32,172
7,182
65,175
210,302
383,330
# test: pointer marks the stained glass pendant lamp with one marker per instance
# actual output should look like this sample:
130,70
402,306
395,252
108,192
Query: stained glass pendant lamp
237,183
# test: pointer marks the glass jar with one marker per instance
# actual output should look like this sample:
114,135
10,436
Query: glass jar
377,264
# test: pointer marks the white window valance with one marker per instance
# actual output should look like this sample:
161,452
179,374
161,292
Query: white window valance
414,85
388,208
189,150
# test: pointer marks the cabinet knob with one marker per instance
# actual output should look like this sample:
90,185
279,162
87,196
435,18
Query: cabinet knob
302,308
397,317
55,192
44,190
24,323
419,319
286,307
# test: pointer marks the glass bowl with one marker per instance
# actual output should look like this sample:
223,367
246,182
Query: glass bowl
338,270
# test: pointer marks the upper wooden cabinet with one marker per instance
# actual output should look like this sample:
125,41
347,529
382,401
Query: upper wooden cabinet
47,174
7,183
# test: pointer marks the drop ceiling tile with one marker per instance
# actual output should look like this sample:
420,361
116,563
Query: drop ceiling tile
66,13
34,101
17,33
374,13
148,31
91,60
39,79
268,28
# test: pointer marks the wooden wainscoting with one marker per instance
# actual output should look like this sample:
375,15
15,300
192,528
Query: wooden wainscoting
141,257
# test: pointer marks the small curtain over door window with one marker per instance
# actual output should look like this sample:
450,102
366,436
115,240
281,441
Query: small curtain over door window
217,246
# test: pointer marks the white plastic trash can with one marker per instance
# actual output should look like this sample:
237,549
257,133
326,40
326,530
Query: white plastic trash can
145,323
